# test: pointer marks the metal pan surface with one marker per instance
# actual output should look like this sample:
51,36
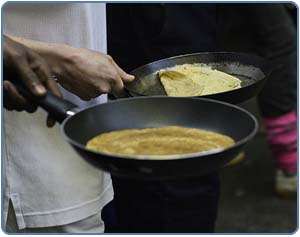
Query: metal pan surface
148,112
250,69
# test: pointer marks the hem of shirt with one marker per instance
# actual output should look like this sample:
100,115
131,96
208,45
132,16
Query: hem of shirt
64,216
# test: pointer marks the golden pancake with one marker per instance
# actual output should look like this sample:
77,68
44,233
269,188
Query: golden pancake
158,142
196,80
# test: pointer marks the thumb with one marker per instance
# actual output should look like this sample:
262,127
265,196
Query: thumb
124,76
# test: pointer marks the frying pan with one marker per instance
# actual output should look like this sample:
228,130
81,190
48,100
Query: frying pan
250,69
147,112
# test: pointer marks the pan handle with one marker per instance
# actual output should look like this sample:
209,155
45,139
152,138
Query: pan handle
57,107
54,105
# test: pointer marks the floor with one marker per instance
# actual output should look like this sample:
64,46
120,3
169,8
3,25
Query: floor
248,203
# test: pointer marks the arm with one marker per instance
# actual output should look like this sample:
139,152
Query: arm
83,72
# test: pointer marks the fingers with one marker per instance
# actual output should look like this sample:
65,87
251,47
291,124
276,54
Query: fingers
124,76
13,100
18,59
114,85
51,85
44,74
83,91
50,121
30,79
25,67
117,87
120,77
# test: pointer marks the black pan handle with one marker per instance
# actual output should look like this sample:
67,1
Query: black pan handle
57,107
54,105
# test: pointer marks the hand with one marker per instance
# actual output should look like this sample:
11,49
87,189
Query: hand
23,64
83,72
87,73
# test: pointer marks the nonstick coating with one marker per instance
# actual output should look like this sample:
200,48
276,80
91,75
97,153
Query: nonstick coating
147,112
250,69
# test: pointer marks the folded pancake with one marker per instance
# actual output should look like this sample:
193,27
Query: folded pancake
178,84
158,142
196,80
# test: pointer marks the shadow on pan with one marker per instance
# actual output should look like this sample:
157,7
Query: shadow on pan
250,69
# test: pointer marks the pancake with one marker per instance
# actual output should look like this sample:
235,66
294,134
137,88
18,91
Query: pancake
158,142
179,84
196,80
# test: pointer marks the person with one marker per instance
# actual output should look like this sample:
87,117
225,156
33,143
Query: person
151,32
268,30
47,186
155,31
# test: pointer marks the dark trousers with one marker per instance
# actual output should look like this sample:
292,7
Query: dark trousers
138,34
171,206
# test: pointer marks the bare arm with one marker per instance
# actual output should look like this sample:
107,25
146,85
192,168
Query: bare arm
83,72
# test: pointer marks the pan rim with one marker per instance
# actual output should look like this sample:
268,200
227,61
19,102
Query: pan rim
258,58
169,157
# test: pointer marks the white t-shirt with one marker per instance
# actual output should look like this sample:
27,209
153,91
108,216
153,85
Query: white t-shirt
47,182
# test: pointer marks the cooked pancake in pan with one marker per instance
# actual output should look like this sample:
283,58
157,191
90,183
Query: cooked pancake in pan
158,142
195,80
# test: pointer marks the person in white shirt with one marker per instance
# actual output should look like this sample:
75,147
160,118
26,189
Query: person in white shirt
48,187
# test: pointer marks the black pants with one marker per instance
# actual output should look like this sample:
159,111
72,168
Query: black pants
174,206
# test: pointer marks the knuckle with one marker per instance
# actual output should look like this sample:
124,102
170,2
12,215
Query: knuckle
104,89
37,64
6,86
112,79
74,58
109,58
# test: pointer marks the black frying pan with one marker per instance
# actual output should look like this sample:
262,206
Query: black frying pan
146,112
250,69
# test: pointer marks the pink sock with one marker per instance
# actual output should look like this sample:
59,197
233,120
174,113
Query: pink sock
282,137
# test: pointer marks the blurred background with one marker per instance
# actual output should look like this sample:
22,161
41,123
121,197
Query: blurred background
142,33
248,201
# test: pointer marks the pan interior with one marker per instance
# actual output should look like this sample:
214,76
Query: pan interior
149,112
149,84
